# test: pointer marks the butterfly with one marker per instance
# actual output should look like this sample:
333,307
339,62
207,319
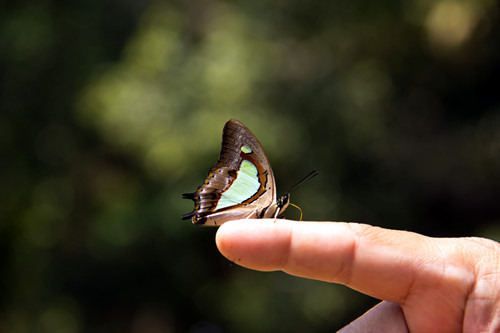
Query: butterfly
241,185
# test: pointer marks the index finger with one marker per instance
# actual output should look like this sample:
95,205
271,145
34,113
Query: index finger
378,262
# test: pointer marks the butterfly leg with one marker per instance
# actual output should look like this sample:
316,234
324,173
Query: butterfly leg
276,215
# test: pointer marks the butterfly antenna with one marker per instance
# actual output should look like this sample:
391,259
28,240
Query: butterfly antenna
309,176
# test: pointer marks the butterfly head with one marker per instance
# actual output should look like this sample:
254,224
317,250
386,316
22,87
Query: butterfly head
283,203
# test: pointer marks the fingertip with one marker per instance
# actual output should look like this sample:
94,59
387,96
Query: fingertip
223,237
231,236
251,243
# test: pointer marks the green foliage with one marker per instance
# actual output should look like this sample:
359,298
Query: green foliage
110,110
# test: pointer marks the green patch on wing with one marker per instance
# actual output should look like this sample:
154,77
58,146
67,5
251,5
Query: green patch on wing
246,150
244,187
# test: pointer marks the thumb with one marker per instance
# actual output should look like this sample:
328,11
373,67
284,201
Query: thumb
384,317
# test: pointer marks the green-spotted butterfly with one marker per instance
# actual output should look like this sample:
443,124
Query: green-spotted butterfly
241,184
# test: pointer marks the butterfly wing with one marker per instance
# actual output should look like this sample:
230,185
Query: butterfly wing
240,185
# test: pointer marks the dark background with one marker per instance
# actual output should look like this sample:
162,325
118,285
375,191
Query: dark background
109,110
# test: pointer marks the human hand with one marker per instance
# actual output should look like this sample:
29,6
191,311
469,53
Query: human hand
426,284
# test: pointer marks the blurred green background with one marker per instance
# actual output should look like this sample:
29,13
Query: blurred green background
109,110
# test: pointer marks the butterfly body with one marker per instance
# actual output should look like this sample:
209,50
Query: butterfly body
241,185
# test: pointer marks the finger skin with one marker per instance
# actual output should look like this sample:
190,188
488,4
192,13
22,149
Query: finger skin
347,253
430,278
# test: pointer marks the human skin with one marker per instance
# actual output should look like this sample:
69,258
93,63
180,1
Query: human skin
426,284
